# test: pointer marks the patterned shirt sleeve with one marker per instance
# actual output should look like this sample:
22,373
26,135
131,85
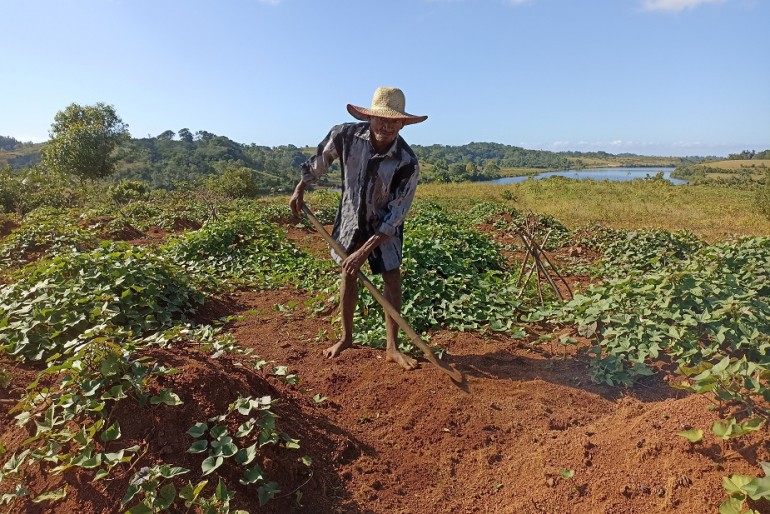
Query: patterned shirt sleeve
325,155
403,188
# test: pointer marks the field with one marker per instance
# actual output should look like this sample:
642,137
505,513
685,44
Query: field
728,171
153,359
615,161
737,165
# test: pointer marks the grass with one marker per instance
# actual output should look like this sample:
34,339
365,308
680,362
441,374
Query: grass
713,213
617,161
739,164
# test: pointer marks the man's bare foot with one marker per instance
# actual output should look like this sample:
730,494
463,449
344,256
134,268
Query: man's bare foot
399,358
337,349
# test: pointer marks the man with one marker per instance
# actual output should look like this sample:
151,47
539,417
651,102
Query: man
379,179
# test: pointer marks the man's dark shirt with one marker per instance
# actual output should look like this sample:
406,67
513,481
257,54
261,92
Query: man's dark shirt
377,189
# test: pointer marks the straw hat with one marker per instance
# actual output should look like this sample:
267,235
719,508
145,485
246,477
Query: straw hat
388,102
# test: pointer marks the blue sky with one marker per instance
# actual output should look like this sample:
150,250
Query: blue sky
655,77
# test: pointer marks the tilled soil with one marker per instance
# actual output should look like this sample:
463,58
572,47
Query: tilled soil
384,440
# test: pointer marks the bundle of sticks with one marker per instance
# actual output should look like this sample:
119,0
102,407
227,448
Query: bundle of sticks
537,260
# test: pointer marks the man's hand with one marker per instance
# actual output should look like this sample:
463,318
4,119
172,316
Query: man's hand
355,260
297,200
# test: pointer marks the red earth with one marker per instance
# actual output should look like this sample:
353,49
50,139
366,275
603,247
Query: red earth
389,441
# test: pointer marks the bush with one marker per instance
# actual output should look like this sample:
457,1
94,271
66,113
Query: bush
114,291
127,191
31,189
239,183
763,197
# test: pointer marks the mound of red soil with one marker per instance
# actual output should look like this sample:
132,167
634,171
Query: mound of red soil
181,225
7,226
500,442
207,387
127,233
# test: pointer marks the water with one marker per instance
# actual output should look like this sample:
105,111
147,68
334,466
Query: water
616,174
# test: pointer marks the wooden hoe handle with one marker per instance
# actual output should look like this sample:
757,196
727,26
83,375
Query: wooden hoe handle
392,312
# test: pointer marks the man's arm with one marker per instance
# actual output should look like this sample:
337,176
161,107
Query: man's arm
314,168
356,259
298,199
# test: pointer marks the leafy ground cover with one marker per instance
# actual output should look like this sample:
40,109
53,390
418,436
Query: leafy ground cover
187,374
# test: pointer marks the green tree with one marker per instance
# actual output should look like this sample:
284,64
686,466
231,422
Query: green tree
185,135
83,139
168,135
239,183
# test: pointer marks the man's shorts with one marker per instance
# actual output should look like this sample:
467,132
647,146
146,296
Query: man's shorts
385,257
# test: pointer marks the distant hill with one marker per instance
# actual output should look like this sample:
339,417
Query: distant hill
170,158
18,154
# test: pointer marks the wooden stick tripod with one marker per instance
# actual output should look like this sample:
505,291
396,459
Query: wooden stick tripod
535,250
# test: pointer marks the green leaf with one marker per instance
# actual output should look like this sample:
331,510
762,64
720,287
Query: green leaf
167,471
246,455
694,435
198,429
190,493
723,430
758,488
139,509
252,475
280,371
734,484
731,506
218,431
210,464
111,433
222,493
168,493
130,493
167,397
198,446
752,425
100,474
266,492
567,473
318,398
51,495
245,428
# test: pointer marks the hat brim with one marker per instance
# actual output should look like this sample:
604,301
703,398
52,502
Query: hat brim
363,114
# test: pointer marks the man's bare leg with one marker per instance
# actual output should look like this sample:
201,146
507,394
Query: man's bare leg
392,293
348,299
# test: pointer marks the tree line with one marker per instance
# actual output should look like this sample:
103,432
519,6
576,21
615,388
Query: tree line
93,143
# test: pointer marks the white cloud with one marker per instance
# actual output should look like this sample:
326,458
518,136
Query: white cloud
674,5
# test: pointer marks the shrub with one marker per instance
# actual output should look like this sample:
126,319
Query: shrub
113,291
762,199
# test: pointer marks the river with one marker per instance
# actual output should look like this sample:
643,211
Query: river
616,174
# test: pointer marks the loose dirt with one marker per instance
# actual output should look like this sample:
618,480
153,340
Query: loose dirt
389,441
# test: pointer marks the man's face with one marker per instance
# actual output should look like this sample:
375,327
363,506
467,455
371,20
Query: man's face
385,130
